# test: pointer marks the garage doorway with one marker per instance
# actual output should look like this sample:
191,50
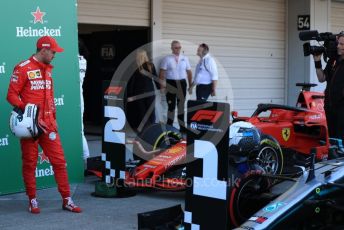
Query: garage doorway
106,47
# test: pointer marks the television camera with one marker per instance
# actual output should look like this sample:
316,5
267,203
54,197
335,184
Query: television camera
328,47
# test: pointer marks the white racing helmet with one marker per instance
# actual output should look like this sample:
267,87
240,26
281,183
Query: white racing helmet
243,137
25,125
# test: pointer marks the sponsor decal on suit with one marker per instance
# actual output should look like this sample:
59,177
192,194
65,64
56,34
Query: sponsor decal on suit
34,74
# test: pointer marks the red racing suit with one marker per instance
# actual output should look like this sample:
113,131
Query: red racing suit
31,82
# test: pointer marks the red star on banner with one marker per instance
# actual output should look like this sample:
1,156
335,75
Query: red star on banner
38,15
43,158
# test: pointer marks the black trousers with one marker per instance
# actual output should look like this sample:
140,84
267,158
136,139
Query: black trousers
335,121
203,91
175,96
145,112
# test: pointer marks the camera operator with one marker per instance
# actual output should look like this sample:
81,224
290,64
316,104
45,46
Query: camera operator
333,74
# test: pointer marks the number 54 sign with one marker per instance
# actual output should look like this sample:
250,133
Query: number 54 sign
303,22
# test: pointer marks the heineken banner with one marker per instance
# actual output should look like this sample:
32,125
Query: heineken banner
23,22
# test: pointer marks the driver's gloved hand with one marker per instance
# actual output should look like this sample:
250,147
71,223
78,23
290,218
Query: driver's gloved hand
18,110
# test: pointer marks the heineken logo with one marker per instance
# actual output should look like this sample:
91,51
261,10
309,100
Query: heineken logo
4,141
44,172
59,100
38,18
30,32
42,158
2,68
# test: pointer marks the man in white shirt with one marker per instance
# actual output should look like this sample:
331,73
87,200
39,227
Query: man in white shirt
174,70
206,74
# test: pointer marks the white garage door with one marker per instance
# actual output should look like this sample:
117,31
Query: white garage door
337,16
114,12
247,37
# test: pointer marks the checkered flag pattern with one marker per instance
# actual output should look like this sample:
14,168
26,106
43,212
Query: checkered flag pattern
110,172
188,220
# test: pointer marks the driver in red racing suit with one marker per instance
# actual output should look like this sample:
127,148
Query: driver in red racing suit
31,82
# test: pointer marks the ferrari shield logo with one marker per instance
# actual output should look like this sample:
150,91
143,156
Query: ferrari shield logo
286,134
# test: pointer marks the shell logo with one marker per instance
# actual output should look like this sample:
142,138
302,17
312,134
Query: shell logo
32,75
175,150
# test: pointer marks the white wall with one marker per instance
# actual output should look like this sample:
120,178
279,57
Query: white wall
247,38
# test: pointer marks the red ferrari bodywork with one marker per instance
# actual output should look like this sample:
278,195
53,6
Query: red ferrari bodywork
151,173
299,128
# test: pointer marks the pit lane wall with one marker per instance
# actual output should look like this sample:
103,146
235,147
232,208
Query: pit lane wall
22,23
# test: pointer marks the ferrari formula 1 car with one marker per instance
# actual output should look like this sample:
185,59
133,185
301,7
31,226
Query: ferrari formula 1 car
298,128
160,153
